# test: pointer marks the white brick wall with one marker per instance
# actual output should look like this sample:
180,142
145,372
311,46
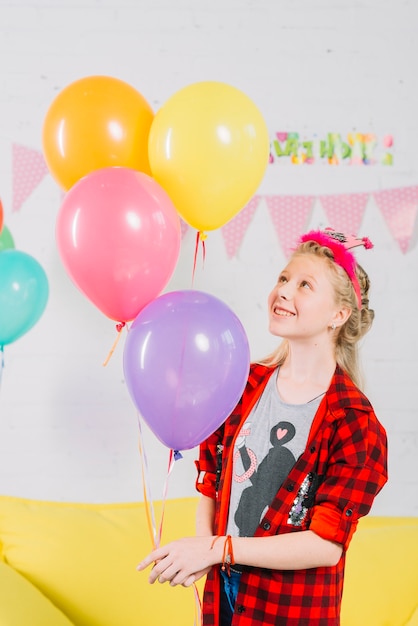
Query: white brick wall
68,430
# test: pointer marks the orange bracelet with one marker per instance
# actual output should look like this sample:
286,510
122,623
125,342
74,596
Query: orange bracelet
227,555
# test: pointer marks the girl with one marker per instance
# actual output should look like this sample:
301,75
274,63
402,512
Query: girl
286,478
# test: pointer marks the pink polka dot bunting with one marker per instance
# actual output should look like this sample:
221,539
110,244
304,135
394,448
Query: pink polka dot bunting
399,209
184,228
345,211
234,231
29,168
289,215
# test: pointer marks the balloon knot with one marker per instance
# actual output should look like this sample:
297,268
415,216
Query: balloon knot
202,235
177,455
120,326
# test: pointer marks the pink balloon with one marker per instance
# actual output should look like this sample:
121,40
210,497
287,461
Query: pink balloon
118,235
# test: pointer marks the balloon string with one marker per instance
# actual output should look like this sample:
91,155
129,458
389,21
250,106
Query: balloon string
149,506
173,456
1,362
170,467
119,328
198,606
200,238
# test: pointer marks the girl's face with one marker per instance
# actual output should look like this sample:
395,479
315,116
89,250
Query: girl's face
302,303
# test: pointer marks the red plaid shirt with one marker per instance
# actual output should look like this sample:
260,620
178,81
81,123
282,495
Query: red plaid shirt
331,485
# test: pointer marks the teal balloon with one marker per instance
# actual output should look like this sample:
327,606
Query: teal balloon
6,239
24,293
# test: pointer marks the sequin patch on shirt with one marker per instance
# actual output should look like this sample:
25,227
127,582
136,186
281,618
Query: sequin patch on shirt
299,509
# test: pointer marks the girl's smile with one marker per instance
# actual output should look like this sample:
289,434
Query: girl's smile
304,297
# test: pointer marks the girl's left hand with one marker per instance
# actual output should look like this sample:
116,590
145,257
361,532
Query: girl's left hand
181,562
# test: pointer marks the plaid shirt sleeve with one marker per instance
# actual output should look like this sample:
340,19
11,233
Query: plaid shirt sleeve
356,471
207,464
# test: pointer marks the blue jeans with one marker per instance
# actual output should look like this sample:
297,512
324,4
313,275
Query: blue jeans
229,591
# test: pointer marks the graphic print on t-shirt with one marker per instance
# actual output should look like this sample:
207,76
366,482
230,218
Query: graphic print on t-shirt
265,477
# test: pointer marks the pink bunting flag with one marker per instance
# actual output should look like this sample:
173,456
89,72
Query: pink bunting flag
289,215
29,168
345,211
233,231
184,228
399,208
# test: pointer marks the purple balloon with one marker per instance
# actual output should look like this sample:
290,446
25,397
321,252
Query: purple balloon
186,362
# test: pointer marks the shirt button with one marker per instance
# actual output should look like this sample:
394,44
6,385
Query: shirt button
313,449
349,512
266,525
240,608
290,487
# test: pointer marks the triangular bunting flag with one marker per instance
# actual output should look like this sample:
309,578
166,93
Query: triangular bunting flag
184,227
289,215
233,231
29,168
345,211
399,208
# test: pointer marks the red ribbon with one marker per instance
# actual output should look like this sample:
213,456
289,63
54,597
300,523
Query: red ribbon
200,238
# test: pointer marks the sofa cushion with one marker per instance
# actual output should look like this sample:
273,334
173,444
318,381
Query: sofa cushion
381,580
83,558
22,603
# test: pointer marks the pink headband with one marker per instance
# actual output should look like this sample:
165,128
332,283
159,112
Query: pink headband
340,246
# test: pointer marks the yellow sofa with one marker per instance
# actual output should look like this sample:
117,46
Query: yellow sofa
64,564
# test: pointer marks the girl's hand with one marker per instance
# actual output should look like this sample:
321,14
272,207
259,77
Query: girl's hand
182,562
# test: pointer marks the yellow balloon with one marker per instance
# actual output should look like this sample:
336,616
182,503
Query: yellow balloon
96,122
209,148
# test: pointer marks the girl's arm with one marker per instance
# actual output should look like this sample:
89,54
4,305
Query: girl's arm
289,551
205,516
186,560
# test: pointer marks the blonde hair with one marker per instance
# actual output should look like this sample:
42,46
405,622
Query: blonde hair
356,326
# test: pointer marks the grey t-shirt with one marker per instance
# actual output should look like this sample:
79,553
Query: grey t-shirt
270,442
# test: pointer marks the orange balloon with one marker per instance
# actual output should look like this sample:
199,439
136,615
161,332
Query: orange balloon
96,122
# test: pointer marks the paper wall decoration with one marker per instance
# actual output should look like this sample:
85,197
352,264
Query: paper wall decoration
399,208
234,230
29,168
331,148
289,213
345,211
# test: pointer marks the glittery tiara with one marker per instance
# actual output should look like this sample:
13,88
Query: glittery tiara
340,245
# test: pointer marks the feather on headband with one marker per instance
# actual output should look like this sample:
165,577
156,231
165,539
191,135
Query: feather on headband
340,246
